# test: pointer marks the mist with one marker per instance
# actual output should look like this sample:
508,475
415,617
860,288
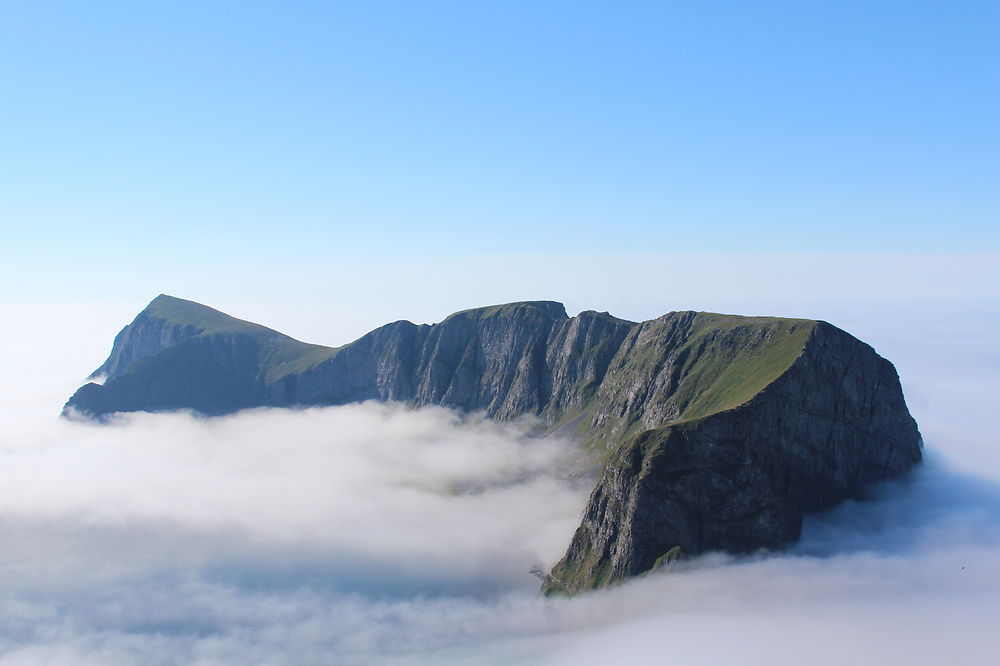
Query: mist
375,534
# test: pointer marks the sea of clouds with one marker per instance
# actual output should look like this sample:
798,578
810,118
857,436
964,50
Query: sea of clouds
371,534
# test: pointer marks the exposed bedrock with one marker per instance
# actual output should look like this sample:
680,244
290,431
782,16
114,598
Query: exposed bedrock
740,480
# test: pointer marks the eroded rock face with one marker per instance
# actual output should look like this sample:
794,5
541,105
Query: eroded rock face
146,336
717,432
471,361
740,479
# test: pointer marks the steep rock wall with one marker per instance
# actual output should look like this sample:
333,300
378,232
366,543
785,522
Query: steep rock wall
741,479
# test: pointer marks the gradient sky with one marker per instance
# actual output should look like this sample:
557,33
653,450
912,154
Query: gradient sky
508,150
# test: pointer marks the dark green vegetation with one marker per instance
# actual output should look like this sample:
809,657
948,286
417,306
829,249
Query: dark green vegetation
716,432
180,354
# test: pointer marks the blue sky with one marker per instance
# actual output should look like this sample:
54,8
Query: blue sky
197,146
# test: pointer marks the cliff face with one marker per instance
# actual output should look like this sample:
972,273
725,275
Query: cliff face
491,359
717,431
146,336
740,479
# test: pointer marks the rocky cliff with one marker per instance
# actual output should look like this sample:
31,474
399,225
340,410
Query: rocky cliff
740,479
717,432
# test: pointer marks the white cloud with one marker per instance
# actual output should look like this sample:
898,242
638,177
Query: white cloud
422,494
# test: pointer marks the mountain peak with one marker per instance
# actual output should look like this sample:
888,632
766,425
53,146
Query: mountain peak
168,321
183,312
551,309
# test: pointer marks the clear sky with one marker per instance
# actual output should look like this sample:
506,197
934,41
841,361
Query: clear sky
510,150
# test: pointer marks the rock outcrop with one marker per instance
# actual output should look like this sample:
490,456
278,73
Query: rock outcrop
740,479
716,432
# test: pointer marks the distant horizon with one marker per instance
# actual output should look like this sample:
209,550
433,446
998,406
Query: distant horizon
285,148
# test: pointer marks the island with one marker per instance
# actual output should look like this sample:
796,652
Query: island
711,432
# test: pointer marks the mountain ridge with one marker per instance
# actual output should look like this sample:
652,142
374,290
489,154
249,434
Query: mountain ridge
753,411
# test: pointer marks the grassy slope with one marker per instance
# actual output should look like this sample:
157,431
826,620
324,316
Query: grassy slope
719,362
280,354
745,354
509,309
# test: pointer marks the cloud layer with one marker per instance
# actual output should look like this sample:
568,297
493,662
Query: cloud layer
372,534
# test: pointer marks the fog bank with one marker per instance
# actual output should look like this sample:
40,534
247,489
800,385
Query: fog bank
374,534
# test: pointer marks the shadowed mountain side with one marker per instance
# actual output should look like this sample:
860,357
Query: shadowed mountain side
592,375
741,479
718,431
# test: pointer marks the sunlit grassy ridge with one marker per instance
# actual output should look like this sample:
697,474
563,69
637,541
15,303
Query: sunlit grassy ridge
280,354
551,308
684,366
732,359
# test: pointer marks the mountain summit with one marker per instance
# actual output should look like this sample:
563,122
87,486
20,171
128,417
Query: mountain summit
715,432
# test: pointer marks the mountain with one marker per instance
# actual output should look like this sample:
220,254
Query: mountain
715,432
